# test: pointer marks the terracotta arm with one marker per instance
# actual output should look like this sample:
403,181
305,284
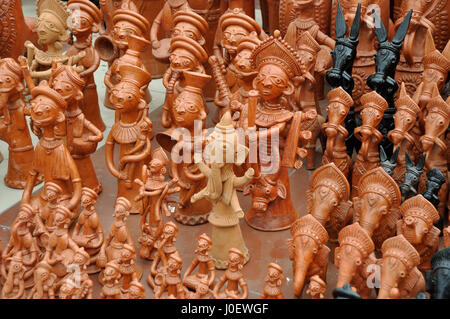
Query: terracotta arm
190,268
155,28
76,185
31,180
219,286
243,180
268,133
244,287
107,79
326,40
34,253
97,135
109,157
138,157
21,290
212,273
98,243
93,67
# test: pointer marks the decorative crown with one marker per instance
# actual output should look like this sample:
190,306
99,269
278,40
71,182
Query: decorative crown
374,100
189,45
275,50
55,7
311,227
339,95
308,43
88,7
192,18
356,236
331,176
406,103
86,191
438,105
398,247
379,182
418,206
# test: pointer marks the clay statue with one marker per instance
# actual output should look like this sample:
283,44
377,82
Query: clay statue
155,190
52,32
44,282
388,164
335,152
437,278
400,278
136,290
343,55
51,156
14,286
82,135
128,269
131,113
428,17
327,199
124,46
85,19
411,177
233,277
268,117
187,111
354,254
419,215
119,235
21,243
433,144
164,24
206,270
376,205
307,251
403,136
373,108
45,218
274,280
171,280
383,80
13,125
88,232
223,151
316,288
185,55
111,278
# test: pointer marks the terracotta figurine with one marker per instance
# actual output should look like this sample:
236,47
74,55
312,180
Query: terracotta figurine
14,286
307,251
128,269
233,277
111,285
171,282
274,280
136,290
44,282
317,287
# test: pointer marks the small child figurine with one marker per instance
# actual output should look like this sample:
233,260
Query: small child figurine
234,277
171,279
317,287
274,281
128,269
111,279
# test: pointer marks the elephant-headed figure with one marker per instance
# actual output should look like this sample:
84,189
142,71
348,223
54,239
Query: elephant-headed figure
417,227
400,277
44,282
307,251
438,284
376,208
14,286
327,198
353,257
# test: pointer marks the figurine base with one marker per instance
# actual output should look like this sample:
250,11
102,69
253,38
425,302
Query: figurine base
194,214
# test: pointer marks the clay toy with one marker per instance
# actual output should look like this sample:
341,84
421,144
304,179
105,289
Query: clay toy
274,280
437,282
411,177
44,282
352,258
111,278
376,206
233,277
223,151
44,220
400,278
13,125
171,279
129,271
131,113
85,19
88,232
316,288
419,215
327,199
136,290
14,286
335,152
206,271
307,251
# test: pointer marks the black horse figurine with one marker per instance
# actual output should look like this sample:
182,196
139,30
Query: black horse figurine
411,177
434,182
383,80
388,164
344,55
438,283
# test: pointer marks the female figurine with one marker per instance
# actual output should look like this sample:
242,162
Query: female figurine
274,281
111,285
233,277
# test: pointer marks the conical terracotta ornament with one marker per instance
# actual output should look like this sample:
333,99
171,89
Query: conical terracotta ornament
88,232
223,150
155,191
268,118
171,279
237,287
404,135
274,280
400,278
131,113
419,215
52,32
307,251
352,257
82,136
327,198
85,19
376,206
339,105
373,107
13,125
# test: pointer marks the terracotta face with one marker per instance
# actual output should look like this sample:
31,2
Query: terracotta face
51,195
242,62
414,229
203,246
371,116
185,110
324,201
187,30
169,232
231,37
119,211
181,59
7,82
121,31
336,112
392,271
273,274
80,22
404,122
60,219
156,166
123,100
44,112
48,29
173,265
307,59
79,259
373,207
86,200
435,126
349,259
271,82
432,76
233,260
64,87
